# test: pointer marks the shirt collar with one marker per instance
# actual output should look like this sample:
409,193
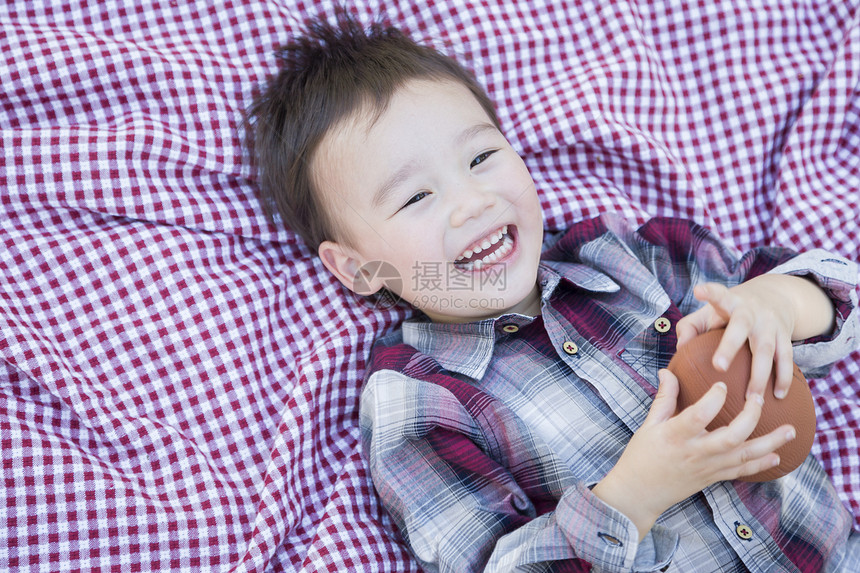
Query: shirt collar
467,348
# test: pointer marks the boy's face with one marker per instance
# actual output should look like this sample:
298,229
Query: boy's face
437,205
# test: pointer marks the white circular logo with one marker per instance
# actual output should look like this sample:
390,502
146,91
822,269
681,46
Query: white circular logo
375,271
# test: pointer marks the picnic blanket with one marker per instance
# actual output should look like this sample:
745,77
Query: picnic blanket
179,375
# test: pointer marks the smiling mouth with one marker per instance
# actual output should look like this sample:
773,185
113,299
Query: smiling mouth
487,251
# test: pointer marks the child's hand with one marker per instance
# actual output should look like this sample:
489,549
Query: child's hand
759,311
672,457
770,311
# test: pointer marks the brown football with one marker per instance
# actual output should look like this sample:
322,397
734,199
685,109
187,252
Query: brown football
692,365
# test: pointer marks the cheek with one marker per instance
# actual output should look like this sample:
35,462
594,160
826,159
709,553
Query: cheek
411,247
518,178
526,198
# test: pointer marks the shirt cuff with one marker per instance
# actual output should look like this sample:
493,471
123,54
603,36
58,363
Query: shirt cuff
607,539
837,276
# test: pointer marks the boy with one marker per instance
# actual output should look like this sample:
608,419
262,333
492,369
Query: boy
518,424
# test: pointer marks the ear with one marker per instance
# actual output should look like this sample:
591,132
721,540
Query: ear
350,268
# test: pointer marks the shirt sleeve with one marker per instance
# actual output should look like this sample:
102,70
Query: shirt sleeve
471,490
837,277
683,254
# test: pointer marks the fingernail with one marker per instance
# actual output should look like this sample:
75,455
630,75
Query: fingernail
776,461
721,363
780,394
790,435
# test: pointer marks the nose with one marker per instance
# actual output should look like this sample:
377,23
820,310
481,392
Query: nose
470,202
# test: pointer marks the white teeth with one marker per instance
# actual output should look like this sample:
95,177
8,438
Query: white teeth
499,253
488,242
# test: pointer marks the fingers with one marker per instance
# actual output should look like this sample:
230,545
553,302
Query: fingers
676,455
784,360
666,400
740,324
701,320
737,331
768,443
695,418
744,423
772,353
731,449
718,312
762,365
758,454
768,337
691,326
718,296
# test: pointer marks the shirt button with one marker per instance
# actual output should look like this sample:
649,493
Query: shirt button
743,531
510,328
662,325
570,347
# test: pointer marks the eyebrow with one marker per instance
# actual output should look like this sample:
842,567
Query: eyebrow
406,171
399,176
474,131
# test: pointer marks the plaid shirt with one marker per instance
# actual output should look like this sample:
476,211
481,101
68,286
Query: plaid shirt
484,438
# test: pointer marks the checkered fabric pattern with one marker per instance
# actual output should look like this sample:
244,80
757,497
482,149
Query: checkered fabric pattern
179,376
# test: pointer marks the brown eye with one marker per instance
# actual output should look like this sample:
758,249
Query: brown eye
415,198
481,158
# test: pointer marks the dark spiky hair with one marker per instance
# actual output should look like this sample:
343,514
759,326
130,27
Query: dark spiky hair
333,71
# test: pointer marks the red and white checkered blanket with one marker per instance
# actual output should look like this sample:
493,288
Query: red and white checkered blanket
179,377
